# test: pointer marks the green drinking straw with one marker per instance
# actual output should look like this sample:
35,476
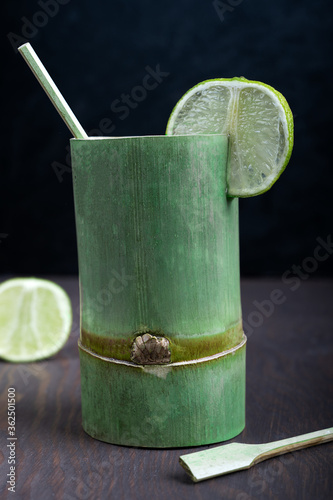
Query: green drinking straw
52,91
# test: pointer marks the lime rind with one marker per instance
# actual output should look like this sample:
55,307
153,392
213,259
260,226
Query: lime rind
208,124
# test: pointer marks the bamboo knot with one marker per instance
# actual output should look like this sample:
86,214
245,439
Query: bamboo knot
150,350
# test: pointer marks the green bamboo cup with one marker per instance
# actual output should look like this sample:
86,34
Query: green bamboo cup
162,350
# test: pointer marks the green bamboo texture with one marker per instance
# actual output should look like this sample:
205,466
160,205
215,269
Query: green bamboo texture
158,255
163,406
157,244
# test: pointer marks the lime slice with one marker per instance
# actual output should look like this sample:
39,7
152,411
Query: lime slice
35,319
258,121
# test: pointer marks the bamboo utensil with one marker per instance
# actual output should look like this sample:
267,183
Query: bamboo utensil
40,72
233,457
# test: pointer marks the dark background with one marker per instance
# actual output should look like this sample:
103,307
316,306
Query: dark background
96,51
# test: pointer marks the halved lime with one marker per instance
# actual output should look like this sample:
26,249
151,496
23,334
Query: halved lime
257,119
35,319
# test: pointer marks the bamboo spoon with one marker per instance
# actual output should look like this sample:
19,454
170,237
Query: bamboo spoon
237,456
52,91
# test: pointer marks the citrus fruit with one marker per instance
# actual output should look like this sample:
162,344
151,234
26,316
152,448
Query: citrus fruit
35,319
257,119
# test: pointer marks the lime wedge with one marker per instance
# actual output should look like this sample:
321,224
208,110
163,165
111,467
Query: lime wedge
257,119
35,319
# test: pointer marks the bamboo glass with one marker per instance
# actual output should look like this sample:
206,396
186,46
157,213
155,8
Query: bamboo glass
162,350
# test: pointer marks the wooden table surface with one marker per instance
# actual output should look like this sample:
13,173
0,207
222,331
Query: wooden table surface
289,392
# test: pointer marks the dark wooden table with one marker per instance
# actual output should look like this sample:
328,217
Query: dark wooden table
289,392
